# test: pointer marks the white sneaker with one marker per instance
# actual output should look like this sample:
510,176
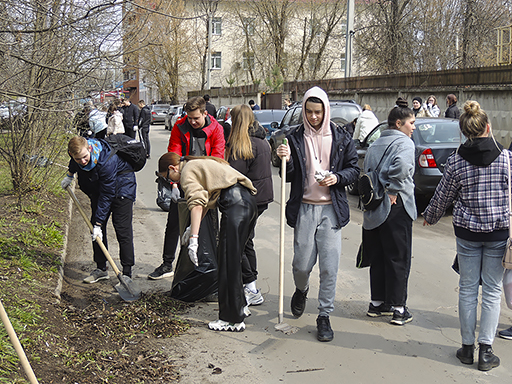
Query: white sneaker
253,298
221,325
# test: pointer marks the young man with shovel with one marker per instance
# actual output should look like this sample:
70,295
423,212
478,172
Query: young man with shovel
110,184
321,161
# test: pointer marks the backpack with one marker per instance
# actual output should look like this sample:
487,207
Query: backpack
370,196
130,150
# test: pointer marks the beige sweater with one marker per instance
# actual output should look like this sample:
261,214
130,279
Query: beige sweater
203,180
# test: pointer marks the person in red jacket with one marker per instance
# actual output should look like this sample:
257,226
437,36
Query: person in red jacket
196,134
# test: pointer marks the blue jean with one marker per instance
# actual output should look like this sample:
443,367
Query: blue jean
480,260
317,237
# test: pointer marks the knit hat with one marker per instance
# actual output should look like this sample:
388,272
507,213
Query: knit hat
418,99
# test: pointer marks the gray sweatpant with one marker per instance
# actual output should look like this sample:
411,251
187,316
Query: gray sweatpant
317,236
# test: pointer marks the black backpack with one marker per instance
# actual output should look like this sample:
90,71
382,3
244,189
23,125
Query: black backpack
130,150
368,186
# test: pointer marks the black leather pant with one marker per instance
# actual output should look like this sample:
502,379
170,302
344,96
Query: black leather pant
239,214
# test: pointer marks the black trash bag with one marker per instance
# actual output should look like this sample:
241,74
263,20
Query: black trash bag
163,194
193,283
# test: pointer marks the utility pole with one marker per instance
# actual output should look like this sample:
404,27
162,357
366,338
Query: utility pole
209,55
349,37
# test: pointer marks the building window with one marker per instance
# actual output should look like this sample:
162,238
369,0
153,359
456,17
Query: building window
315,28
248,62
312,60
248,23
343,60
217,26
344,26
216,60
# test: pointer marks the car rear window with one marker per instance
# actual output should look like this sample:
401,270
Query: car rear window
343,114
446,132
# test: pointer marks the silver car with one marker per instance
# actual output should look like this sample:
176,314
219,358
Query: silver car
158,112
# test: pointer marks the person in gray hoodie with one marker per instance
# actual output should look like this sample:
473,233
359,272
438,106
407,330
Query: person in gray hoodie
387,230
321,161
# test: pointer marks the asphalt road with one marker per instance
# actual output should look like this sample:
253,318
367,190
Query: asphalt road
364,350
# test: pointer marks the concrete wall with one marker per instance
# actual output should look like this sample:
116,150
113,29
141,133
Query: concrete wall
490,86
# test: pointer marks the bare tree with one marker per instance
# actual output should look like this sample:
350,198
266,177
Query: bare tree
52,52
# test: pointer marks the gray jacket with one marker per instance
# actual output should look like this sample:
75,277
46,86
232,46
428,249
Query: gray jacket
395,174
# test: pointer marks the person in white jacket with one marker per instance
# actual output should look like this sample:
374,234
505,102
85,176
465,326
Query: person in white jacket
115,121
365,123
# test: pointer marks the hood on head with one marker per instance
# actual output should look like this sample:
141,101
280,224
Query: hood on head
320,93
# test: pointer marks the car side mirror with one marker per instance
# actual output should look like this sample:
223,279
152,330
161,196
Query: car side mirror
274,124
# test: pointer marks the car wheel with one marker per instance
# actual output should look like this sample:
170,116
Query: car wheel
276,160
352,189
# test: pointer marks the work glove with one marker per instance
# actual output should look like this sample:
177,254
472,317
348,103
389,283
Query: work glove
175,194
96,233
135,128
192,250
66,182
185,236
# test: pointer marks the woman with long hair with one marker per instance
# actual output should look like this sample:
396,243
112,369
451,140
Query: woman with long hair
387,230
210,182
476,179
248,152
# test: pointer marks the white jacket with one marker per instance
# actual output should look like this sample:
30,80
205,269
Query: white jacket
365,123
115,123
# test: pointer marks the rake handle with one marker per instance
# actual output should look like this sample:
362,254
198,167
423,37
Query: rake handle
89,224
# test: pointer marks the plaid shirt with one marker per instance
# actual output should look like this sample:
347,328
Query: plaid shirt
479,194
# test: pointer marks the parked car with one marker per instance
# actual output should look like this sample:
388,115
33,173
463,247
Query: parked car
342,112
266,116
158,112
435,139
223,113
173,109
180,112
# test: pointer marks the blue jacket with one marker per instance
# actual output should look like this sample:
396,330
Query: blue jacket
109,179
343,163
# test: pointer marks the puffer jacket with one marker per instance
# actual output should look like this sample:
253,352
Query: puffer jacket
110,178
343,163
179,142
258,169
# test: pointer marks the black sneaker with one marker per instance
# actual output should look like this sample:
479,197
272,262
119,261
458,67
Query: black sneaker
162,271
401,318
323,326
298,303
381,310
506,333
487,360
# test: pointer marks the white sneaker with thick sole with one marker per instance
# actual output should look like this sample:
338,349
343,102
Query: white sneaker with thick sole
253,298
221,325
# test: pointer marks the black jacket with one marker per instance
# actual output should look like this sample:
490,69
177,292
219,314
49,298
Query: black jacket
144,117
258,169
211,109
130,116
343,163
452,112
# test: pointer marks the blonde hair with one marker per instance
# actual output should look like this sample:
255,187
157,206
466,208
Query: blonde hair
239,144
473,122
76,144
367,107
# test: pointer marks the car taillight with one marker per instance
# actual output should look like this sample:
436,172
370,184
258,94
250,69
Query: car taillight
426,159
153,113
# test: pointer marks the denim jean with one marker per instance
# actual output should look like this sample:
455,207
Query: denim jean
480,260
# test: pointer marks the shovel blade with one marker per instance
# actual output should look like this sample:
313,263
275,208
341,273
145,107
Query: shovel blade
127,288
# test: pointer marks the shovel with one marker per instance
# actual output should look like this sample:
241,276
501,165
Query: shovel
127,289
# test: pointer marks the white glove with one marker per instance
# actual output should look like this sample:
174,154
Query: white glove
185,236
96,232
135,128
192,250
175,194
66,182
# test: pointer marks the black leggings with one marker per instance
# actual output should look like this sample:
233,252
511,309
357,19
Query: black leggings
239,214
